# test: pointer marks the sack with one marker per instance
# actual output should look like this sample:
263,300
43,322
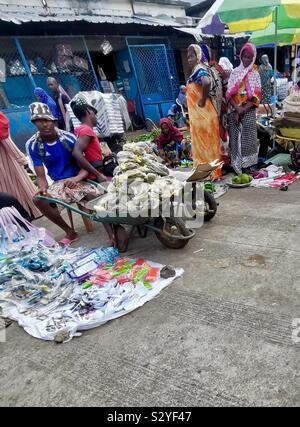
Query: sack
292,103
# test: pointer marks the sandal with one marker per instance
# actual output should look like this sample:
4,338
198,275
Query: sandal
68,242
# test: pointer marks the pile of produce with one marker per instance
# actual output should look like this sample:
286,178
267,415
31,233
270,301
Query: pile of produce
140,182
243,178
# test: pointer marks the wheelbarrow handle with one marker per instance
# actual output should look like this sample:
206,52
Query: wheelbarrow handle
97,185
65,205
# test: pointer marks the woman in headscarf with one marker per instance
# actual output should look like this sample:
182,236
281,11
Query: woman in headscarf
203,109
244,95
226,66
43,97
170,145
266,75
13,176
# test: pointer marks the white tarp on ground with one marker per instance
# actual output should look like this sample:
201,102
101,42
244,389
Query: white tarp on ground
73,308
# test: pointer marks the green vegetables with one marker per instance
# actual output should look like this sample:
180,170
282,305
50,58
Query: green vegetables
147,136
242,179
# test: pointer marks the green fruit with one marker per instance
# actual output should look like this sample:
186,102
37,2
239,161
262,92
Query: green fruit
245,179
237,180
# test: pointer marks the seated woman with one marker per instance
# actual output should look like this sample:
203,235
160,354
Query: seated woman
87,151
170,144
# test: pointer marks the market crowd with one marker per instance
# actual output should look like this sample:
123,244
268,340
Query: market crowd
219,104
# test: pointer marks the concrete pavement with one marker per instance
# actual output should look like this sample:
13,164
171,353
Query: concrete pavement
220,336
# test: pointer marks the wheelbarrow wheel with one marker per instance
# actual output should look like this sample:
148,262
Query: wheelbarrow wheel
175,227
211,206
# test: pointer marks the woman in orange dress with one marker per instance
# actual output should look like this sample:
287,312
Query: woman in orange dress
203,115
13,177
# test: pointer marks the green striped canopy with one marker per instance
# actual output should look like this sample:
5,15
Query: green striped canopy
288,36
253,15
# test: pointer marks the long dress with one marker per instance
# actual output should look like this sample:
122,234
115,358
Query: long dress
204,124
266,85
13,177
243,136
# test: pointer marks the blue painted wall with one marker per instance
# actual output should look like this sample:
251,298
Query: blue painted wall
21,128
133,92
19,92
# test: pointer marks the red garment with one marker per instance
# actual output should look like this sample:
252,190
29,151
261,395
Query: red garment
93,153
4,127
174,135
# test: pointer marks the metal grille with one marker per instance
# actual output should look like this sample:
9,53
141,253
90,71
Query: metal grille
173,71
16,89
64,58
152,71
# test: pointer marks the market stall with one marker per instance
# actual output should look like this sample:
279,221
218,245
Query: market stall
54,293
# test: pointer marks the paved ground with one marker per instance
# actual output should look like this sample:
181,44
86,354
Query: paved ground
220,336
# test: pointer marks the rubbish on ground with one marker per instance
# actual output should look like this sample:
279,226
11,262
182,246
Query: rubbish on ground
254,261
222,263
167,272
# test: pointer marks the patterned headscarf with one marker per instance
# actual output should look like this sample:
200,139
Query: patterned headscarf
80,106
247,75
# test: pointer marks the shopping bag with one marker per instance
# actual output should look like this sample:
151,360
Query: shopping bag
17,231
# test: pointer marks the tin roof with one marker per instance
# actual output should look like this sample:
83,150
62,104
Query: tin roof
24,13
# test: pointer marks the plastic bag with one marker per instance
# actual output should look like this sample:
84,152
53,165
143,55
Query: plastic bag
129,176
128,166
126,156
147,146
135,148
64,50
81,63
16,231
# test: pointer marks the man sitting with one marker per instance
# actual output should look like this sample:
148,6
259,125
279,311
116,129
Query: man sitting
53,148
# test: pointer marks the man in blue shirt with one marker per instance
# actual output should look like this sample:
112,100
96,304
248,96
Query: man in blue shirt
52,148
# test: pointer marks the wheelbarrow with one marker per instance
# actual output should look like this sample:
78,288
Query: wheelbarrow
171,232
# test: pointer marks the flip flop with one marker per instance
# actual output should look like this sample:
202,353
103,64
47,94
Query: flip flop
68,242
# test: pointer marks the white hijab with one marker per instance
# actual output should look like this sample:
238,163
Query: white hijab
226,64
